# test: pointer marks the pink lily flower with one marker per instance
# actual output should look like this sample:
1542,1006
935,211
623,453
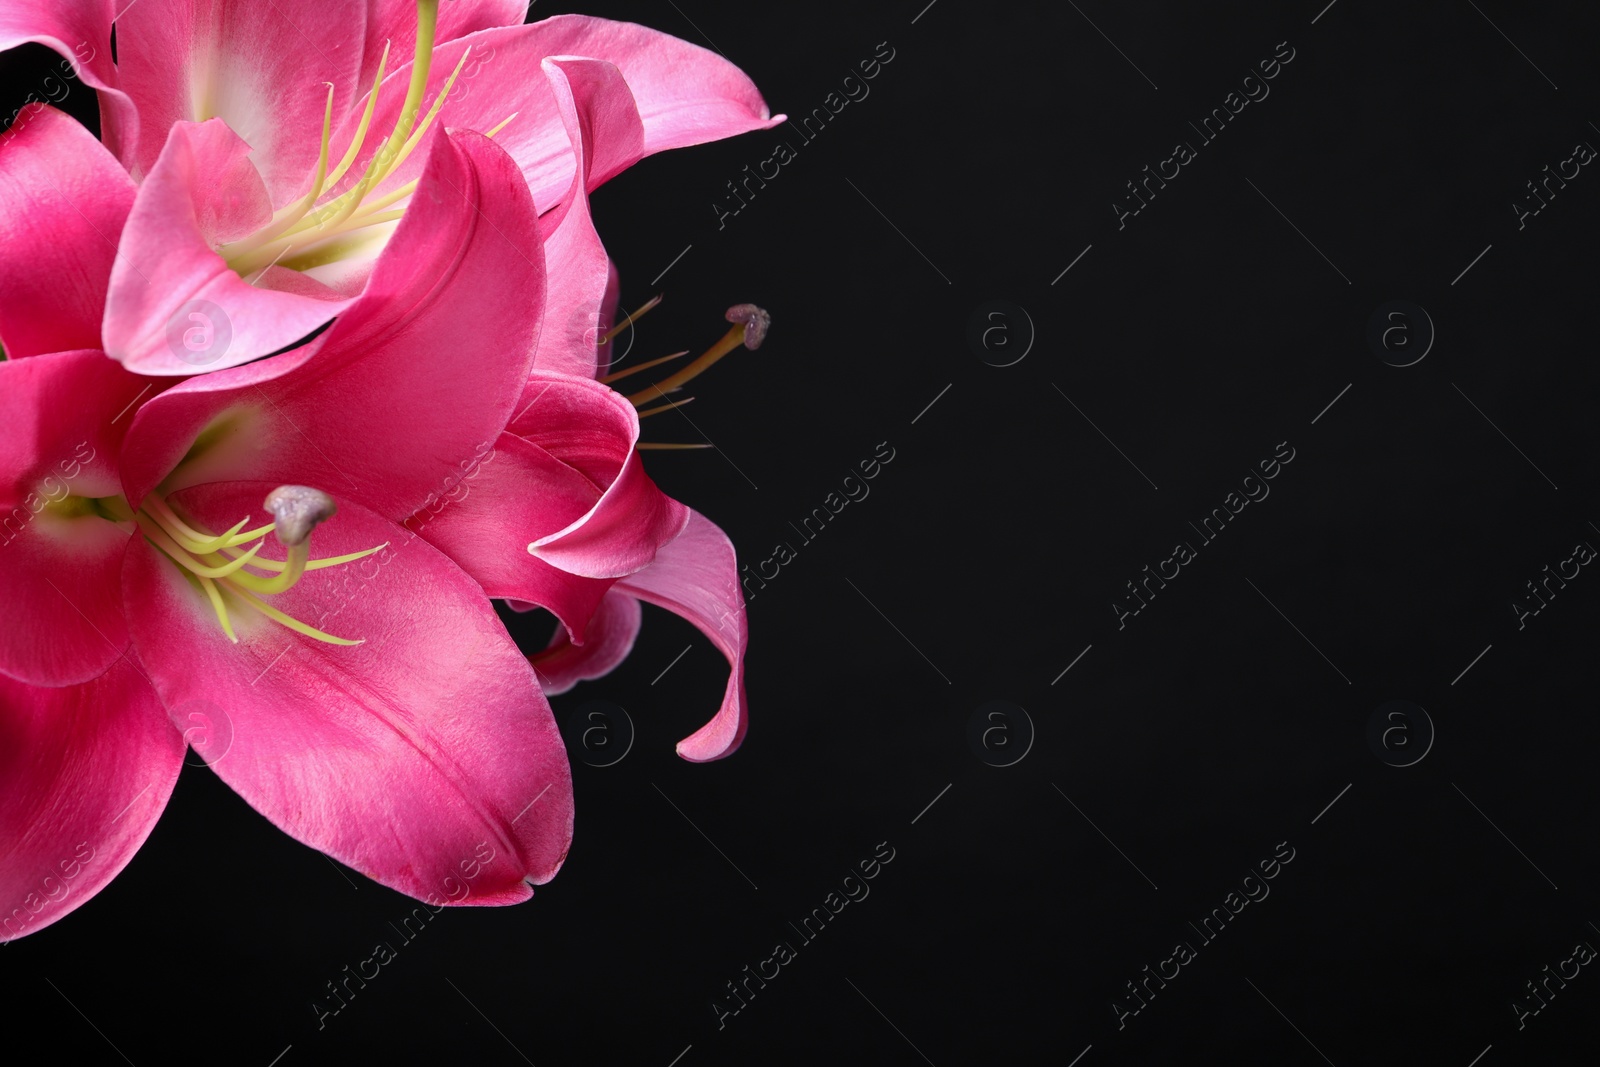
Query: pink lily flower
278,146
590,514
357,720
600,537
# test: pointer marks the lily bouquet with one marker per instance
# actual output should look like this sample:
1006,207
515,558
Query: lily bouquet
327,260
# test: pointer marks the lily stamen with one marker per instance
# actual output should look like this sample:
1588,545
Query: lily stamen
290,621
750,329
751,324
427,24
163,540
285,217
619,375
298,510
311,564
368,213
216,564
503,124
187,537
647,412
633,317
427,120
329,217
310,238
214,595
360,136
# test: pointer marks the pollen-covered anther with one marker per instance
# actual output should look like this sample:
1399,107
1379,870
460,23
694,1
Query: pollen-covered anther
298,510
755,320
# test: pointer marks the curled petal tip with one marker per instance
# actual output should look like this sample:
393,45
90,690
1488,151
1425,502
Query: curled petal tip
756,323
297,509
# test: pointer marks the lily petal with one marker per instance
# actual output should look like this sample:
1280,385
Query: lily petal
685,95
176,308
63,200
425,758
61,422
608,357
696,577
598,112
421,372
80,32
484,524
263,68
594,429
610,636
85,772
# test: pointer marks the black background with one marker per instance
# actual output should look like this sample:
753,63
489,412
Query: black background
1179,750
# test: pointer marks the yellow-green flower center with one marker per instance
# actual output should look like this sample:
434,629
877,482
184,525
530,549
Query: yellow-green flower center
304,234
229,574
